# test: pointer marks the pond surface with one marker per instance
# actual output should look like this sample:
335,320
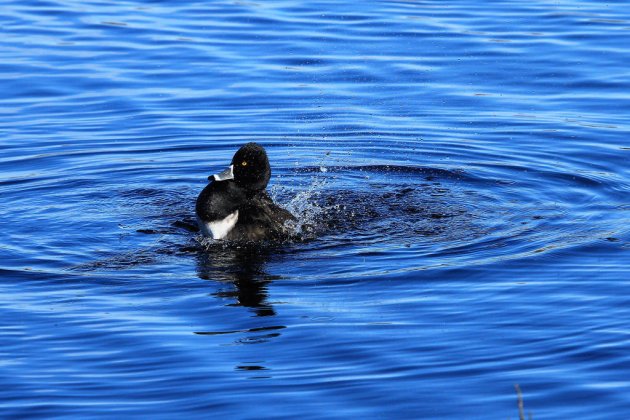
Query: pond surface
466,167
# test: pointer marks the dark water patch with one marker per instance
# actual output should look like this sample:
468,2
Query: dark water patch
449,215
261,329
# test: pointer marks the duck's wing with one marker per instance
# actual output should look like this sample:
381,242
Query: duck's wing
218,200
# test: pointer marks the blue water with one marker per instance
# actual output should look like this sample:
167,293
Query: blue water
465,165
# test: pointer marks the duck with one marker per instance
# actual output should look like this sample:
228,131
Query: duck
235,205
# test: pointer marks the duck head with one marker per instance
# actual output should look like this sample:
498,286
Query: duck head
250,168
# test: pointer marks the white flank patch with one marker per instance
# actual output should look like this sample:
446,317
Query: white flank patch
220,228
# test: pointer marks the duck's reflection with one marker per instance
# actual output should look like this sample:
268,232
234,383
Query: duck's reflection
244,268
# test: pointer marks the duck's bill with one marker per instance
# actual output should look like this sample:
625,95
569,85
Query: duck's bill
225,175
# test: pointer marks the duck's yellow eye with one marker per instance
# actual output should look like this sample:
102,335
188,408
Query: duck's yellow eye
244,163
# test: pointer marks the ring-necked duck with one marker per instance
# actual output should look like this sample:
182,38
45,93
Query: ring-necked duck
235,205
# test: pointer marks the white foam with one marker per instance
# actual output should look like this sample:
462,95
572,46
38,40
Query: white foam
304,205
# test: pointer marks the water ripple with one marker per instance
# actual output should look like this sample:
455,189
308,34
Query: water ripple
460,174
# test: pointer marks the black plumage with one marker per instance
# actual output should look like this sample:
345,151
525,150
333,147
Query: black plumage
258,217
